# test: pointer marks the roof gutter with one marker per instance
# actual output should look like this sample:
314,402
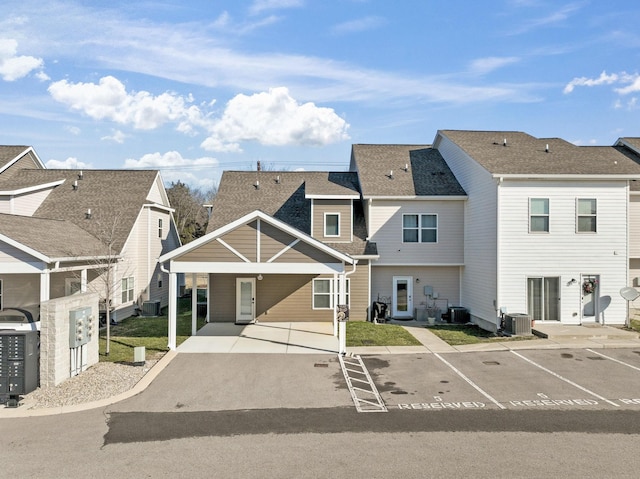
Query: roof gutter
420,198
563,176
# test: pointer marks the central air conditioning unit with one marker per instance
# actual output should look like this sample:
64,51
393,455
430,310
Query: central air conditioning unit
151,308
518,324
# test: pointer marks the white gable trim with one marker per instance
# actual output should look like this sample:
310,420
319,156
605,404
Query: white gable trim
26,249
30,189
21,155
233,250
255,215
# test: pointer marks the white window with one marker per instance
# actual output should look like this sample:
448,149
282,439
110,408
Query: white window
539,215
332,224
587,215
127,289
419,228
325,296
160,228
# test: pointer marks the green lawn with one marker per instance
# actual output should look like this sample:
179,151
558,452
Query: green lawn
635,324
361,333
150,332
458,334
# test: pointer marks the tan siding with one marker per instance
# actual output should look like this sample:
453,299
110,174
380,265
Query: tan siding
343,208
305,253
26,162
212,251
359,292
272,241
243,240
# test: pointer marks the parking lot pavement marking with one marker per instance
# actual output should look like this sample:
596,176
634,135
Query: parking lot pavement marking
613,359
562,378
471,383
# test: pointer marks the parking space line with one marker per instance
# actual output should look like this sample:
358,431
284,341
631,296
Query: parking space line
613,359
471,383
568,381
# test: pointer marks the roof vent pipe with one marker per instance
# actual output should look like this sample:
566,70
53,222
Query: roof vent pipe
257,185
391,175
80,175
75,184
546,148
88,214
278,179
406,167
504,142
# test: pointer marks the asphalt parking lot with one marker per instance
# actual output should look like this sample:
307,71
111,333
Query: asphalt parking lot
518,380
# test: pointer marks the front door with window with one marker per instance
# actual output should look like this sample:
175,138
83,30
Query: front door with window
543,298
590,293
245,300
402,301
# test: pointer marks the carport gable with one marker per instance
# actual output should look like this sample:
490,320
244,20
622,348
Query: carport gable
257,243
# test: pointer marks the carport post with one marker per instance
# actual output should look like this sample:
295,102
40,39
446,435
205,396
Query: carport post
173,296
335,313
194,303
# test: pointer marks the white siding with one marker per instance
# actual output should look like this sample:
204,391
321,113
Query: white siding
27,204
156,193
634,226
562,252
479,275
385,228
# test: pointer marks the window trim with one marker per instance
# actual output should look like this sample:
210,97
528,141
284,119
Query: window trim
420,228
1,291
160,231
591,215
333,294
540,215
127,290
326,215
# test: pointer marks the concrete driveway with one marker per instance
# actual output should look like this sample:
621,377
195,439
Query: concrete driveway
263,338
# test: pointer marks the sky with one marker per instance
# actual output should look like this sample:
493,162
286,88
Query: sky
195,87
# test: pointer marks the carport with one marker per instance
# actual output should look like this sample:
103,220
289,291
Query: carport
259,249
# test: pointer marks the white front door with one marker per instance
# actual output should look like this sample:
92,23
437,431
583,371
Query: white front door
402,301
590,292
245,300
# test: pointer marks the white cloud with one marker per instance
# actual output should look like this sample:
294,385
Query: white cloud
358,25
259,6
603,79
74,130
553,18
117,137
633,84
13,66
68,164
482,66
110,100
274,118
169,160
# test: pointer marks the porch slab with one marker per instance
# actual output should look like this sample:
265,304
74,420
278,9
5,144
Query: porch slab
566,332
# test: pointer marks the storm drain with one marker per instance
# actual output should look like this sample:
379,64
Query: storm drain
363,391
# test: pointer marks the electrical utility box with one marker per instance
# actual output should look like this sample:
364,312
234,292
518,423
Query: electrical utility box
81,327
19,363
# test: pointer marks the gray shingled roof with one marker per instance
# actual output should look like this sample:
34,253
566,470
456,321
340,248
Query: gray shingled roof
114,196
427,174
53,238
282,195
634,142
8,153
526,155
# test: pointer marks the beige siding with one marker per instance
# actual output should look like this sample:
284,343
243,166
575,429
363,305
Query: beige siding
305,253
341,207
213,251
243,240
27,204
27,161
284,297
10,254
444,280
359,292
19,290
272,241
386,230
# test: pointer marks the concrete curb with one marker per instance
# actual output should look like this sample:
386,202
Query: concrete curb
24,411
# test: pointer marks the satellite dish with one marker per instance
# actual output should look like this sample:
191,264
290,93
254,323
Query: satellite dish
629,293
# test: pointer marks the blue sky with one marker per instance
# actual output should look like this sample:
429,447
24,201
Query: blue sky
193,87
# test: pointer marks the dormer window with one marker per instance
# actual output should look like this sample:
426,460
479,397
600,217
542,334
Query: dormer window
332,224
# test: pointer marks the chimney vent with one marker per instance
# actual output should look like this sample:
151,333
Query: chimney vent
88,214
257,185
80,175
75,184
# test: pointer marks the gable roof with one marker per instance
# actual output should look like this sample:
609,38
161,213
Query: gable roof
10,154
527,155
285,196
418,170
49,240
249,217
115,198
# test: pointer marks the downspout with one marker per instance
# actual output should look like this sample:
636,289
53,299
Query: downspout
498,303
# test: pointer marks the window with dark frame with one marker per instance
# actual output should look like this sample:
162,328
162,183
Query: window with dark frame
159,227
419,228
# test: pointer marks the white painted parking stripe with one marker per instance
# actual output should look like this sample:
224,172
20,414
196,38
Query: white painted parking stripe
568,381
614,359
471,383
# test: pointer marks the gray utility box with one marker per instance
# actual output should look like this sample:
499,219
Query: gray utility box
19,364
80,327
518,324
